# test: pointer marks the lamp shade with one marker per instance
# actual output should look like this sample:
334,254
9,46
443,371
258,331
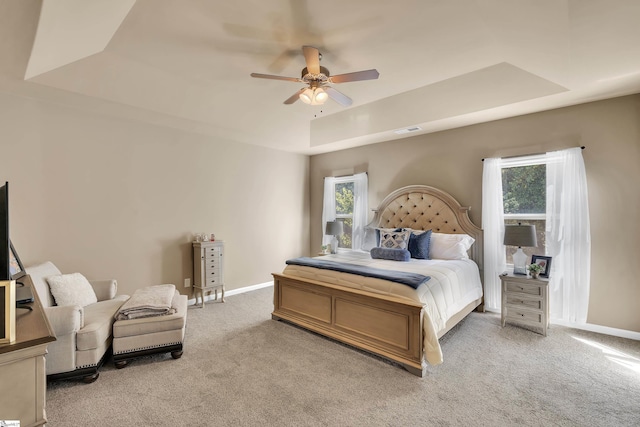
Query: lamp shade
520,235
334,228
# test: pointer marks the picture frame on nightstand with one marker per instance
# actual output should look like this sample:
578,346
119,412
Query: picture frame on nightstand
544,262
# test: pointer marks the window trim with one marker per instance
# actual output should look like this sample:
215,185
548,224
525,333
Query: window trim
520,161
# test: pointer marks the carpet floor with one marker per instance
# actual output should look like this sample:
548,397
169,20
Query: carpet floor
240,368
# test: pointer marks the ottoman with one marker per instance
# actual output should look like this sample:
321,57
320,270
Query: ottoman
149,335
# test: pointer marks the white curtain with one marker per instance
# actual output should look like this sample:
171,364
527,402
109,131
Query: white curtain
493,225
360,208
328,207
568,236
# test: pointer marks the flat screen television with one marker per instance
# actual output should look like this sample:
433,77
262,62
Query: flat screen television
5,242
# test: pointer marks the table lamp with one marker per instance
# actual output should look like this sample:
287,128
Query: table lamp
520,235
334,228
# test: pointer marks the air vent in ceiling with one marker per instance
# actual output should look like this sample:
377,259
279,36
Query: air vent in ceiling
407,130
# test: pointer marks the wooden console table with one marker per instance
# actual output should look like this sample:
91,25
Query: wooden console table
23,374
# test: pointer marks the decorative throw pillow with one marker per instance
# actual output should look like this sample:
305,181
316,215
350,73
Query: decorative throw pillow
394,239
384,230
71,289
369,241
450,246
391,254
419,243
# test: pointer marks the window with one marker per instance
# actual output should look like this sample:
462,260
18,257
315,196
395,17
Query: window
343,191
525,199
566,237
345,200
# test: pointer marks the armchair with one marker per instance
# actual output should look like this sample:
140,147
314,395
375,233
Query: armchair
84,334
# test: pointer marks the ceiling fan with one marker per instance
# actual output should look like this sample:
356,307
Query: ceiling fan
318,78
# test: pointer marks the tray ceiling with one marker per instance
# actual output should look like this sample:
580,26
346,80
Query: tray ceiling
186,64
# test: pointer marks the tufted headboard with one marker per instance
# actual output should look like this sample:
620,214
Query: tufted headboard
422,208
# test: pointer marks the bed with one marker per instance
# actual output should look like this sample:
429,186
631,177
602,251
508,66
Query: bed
388,319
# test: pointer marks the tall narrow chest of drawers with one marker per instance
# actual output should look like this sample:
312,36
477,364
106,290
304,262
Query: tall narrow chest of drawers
525,300
208,268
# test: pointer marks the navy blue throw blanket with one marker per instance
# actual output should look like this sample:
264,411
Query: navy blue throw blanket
410,279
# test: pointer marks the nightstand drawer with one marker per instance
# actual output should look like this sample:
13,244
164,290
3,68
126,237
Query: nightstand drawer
515,313
524,288
523,301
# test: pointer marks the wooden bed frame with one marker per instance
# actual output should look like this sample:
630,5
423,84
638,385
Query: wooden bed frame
388,326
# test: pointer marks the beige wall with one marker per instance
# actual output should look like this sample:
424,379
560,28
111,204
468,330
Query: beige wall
451,160
116,199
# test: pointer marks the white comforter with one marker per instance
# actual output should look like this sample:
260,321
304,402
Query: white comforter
453,285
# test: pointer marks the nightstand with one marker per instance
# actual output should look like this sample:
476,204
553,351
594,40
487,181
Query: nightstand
525,300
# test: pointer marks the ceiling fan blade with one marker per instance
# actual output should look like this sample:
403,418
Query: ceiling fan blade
312,58
339,97
353,77
282,60
272,77
295,96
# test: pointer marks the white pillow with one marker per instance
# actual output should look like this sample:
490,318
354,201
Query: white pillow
450,246
71,289
369,241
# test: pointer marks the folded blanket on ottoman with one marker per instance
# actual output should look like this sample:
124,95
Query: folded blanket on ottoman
147,302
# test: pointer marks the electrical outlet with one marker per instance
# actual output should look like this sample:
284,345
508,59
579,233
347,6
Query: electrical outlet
187,283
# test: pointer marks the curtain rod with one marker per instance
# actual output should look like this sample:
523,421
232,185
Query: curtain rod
351,174
532,154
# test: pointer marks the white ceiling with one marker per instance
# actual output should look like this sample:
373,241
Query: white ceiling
442,64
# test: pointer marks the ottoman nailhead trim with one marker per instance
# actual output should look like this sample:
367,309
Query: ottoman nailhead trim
148,347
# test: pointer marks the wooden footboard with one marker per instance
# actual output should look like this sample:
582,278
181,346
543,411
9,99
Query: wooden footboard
384,325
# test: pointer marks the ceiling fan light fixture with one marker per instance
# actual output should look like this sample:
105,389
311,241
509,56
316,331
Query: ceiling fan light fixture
317,78
314,96
307,96
320,96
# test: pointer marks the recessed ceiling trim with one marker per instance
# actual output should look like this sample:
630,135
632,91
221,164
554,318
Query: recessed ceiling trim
71,30
494,86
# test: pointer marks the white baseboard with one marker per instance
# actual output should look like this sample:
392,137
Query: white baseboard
249,288
237,291
622,333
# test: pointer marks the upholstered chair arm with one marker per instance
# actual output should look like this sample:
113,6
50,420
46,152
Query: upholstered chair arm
65,319
104,289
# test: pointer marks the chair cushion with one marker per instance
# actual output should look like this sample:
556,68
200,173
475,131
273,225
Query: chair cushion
98,323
